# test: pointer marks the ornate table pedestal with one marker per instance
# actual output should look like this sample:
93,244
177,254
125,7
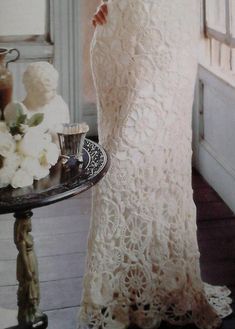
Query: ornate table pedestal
28,294
63,182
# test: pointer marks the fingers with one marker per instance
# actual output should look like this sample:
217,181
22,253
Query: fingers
100,17
94,22
104,9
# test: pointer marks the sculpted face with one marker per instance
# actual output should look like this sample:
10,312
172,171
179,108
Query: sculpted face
40,95
40,80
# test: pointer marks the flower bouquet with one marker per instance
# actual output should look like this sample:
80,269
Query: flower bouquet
26,153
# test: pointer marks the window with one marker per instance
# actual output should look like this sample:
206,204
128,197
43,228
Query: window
22,20
233,18
25,25
219,19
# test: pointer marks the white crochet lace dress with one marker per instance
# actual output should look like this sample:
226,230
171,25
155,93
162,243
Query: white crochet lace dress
143,258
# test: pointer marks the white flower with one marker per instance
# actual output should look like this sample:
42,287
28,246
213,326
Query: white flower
47,138
52,154
7,144
27,157
17,137
42,172
12,162
33,167
5,176
24,128
33,143
21,178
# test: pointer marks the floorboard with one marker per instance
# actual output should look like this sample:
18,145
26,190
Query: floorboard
54,294
50,268
60,234
65,315
216,236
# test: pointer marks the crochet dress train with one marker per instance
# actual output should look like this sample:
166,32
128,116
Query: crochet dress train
143,258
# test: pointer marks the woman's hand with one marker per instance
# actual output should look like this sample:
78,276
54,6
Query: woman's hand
100,16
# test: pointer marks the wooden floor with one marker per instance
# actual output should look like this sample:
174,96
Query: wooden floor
60,233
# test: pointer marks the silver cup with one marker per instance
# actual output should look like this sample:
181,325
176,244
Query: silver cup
71,141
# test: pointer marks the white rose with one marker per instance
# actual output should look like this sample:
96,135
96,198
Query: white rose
6,175
47,138
52,154
24,128
42,172
7,144
21,178
33,143
12,162
33,167
17,137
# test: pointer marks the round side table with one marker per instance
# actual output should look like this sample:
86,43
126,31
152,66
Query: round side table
63,182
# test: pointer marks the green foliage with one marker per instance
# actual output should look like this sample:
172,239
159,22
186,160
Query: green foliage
35,120
21,119
19,110
15,130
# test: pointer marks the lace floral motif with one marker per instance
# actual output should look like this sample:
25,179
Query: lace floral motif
143,258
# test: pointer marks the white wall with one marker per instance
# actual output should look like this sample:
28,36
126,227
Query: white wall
214,127
22,17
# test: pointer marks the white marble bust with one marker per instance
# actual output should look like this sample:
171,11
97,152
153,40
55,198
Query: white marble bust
40,81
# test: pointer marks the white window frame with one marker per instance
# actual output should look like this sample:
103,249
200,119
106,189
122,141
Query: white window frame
66,35
33,47
227,37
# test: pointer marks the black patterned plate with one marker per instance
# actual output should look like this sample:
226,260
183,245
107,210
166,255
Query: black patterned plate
63,182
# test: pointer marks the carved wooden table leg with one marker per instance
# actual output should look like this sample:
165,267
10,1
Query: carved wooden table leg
28,294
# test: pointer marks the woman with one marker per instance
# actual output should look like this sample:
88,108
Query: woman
143,258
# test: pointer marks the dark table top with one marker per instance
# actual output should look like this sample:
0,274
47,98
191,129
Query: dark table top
63,182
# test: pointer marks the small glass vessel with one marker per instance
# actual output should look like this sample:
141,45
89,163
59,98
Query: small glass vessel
71,140
6,83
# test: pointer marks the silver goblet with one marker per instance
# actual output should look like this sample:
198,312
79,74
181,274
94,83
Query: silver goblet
71,140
